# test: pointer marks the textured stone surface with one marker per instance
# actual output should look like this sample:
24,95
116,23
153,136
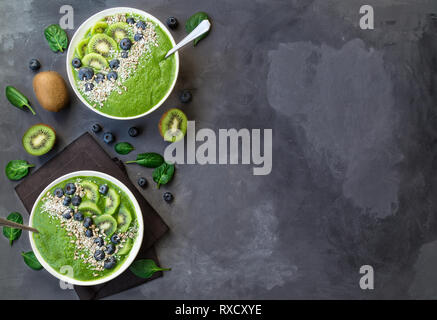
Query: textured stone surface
354,127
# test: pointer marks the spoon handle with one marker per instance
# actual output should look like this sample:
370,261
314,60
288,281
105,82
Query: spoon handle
7,223
198,31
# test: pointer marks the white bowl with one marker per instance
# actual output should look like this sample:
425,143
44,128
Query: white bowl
80,33
135,248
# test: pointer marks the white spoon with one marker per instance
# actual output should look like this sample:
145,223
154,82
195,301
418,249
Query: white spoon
198,31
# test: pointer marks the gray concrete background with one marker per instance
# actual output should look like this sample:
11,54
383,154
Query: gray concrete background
355,129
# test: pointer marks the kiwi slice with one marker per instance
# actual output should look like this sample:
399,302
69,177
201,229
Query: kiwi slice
126,247
82,48
118,31
173,125
102,44
89,208
106,223
112,201
124,218
39,139
95,60
91,190
99,27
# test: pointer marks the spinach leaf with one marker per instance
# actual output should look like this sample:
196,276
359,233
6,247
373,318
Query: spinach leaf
12,233
193,22
163,174
148,160
31,260
123,147
145,268
17,169
56,37
18,99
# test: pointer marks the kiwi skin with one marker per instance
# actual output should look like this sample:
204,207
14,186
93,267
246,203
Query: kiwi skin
165,122
36,152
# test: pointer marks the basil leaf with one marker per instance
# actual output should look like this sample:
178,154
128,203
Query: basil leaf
148,160
12,233
193,22
17,99
163,174
123,147
145,268
31,260
17,169
56,37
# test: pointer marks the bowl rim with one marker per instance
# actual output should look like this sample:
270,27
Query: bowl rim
135,248
79,33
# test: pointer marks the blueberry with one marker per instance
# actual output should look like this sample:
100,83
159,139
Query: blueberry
124,54
142,182
110,249
99,255
110,263
76,201
59,192
89,86
67,201
76,63
103,189
114,64
130,20
185,96
108,137
70,188
78,216
168,197
99,241
86,73
141,25
138,36
67,214
172,23
115,239
133,131
96,127
100,77
88,233
87,222
34,64
125,44
112,75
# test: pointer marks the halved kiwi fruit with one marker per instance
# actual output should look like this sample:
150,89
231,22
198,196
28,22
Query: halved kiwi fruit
39,139
124,218
91,190
126,247
89,208
99,27
82,48
118,31
102,44
106,223
112,201
173,125
95,60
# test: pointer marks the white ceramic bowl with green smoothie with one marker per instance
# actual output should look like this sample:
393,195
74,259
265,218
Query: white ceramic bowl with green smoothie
90,228
116,65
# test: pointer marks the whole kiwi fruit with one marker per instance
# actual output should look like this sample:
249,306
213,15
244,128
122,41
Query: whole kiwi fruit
50,90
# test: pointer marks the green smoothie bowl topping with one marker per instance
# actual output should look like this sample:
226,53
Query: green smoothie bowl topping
90,222
116,63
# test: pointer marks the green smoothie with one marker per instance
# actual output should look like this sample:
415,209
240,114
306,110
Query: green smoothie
87,223
119,65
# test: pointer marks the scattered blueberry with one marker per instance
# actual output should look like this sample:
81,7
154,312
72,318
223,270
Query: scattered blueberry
110,249
59,192
76,63
89,86
67,201
133,131
70,188
96,127
124,54
99,241
87,222
114,64
103,189
125,44
138,36
34,64
112,75
168,197
130,20
76,201
100,77
172,23
115,239
78,216
141,25
110,263
89,233
86,73
142,182
108,137
185,96
99,255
